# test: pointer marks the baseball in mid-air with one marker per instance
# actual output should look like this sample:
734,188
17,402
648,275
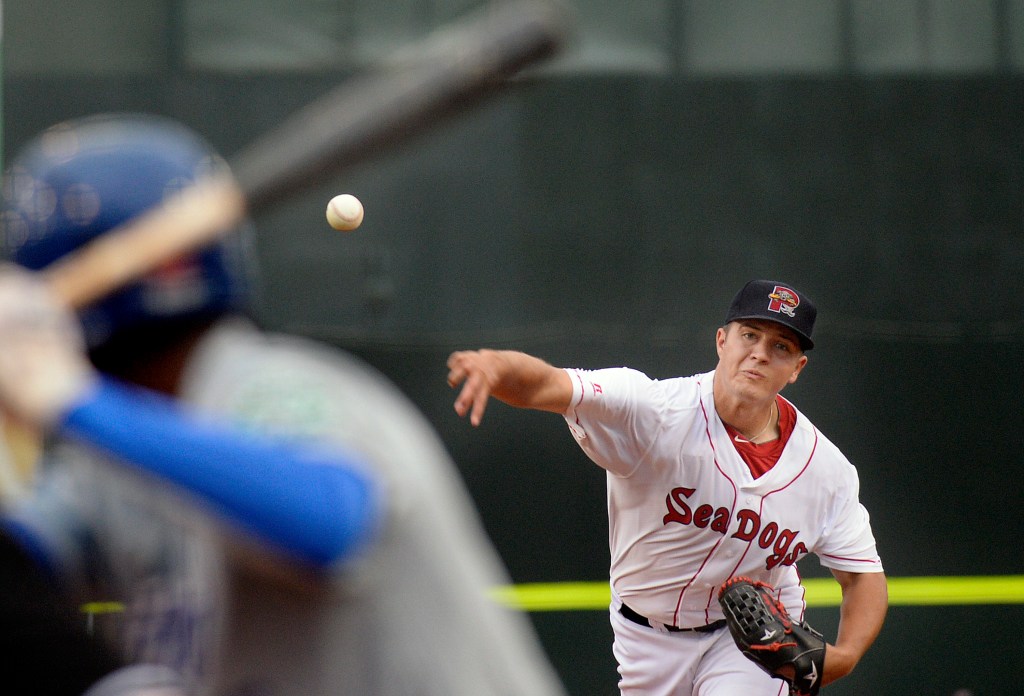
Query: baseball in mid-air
345,212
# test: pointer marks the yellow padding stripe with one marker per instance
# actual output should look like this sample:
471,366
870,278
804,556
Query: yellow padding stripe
957,590
821,592
555,596
102,607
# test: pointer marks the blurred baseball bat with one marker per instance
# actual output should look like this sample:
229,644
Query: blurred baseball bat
450,69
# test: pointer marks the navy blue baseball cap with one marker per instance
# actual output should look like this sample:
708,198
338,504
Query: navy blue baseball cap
779,302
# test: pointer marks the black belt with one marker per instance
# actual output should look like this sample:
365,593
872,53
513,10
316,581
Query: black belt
643,621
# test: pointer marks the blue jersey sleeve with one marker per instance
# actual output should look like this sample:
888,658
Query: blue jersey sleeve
315,503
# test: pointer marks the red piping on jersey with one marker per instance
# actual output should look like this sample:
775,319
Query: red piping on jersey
735,496
851,560
576,374
803,594
760,509
735,491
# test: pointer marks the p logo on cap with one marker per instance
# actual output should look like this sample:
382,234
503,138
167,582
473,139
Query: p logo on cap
775,301
784,300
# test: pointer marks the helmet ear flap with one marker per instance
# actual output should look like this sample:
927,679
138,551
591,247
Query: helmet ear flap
82,178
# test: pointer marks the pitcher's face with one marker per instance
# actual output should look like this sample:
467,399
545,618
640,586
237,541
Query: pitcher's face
757,358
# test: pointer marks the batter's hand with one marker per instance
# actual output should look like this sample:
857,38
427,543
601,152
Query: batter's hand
43,366
478,371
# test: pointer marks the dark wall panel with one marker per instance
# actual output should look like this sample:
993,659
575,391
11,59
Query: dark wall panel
605,220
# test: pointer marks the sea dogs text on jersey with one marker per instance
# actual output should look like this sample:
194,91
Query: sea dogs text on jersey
750,526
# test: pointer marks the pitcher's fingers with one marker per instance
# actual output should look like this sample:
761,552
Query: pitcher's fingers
479,406
472,399
456,369
456,376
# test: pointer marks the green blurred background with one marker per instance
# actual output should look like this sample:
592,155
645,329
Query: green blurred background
602,211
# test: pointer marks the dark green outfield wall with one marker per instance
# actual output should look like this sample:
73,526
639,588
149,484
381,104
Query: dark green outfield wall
608,220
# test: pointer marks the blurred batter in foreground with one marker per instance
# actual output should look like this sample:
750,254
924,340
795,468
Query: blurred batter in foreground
270,515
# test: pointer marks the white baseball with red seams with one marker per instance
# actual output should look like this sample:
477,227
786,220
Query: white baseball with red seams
686,514
344,212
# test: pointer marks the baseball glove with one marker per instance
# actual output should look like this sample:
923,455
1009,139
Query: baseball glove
768,636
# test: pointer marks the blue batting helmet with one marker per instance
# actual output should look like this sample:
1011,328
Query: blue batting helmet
79,179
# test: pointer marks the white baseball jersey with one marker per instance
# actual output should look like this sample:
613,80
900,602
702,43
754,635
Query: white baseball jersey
411,616
685,513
